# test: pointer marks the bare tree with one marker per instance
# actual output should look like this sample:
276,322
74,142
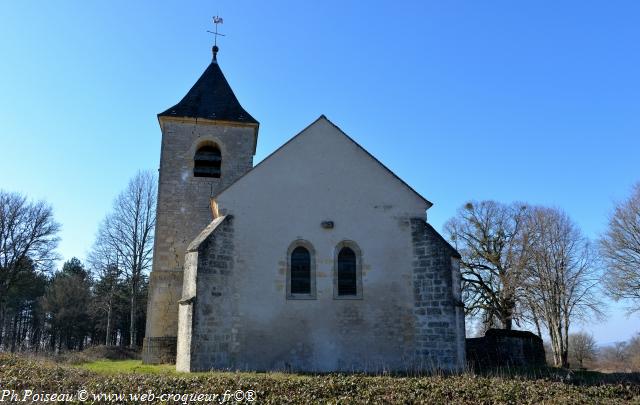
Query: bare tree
490,238
561,276
633,353
28,239
582,346
614,357
128,231
620,249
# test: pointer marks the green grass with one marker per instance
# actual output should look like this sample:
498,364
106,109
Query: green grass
115,367
127,366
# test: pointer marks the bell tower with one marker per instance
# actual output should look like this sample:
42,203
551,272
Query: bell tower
208,141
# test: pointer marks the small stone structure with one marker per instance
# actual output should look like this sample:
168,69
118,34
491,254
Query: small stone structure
505,348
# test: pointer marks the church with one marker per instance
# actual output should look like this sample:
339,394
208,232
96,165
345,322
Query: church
317,259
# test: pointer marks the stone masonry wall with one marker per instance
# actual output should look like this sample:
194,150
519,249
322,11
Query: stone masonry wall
183,200
215,313
183,211
436,301
505,348
212,328
164,293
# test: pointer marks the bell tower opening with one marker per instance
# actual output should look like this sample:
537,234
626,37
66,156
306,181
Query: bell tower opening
207,162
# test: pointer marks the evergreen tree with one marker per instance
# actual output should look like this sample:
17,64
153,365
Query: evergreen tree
67,304
23,320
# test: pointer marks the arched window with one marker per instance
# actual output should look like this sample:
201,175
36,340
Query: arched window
207,162
300,271
347,272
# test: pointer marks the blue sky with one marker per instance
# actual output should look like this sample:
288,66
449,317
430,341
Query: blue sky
535,101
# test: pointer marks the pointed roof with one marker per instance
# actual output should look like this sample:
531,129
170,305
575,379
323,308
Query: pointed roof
211,98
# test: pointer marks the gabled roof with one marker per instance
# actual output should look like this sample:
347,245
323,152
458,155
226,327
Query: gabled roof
429,203
211,98
322,117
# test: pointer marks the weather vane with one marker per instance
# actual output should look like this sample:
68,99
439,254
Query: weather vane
216,20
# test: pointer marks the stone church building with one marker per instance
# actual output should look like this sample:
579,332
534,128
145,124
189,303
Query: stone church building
319,258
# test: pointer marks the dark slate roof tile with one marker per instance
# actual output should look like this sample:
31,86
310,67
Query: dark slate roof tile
211,98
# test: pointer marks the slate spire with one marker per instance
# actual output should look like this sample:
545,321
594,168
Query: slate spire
211,98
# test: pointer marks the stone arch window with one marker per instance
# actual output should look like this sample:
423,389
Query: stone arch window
301,271
347,277
207,161
347,272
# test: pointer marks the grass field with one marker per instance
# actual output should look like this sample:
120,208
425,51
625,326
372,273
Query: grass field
130,378
126,366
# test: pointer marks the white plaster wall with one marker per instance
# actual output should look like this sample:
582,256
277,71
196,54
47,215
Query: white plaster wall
321,175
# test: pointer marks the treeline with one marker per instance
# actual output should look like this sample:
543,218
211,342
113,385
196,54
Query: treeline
66,310
620,356
533,267
585,353
100,302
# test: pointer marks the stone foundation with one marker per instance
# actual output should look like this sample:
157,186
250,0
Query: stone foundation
165,288
159,350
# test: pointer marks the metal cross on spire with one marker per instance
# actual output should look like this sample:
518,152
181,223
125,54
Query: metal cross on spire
216,20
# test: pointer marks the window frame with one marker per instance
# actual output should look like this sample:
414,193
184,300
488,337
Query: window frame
312,271
358,253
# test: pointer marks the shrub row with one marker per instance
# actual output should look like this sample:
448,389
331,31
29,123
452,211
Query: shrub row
18,373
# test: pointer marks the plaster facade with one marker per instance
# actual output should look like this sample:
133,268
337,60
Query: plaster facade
236,311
